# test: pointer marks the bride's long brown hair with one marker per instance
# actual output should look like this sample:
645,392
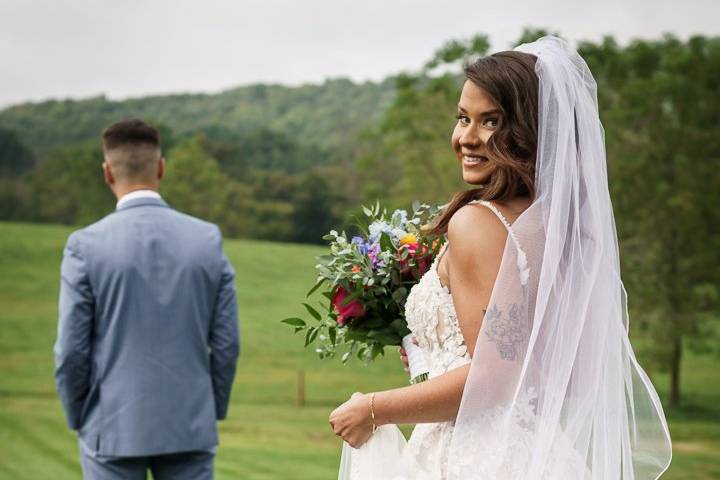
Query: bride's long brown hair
510,81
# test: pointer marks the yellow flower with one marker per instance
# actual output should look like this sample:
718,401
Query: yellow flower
407,239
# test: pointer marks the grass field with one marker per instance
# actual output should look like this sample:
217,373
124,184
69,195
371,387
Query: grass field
266,435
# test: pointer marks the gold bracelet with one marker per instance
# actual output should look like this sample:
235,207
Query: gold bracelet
372,410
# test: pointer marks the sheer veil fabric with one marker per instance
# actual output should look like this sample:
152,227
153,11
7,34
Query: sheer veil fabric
554,390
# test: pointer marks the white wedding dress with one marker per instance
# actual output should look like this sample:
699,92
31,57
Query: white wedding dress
431,317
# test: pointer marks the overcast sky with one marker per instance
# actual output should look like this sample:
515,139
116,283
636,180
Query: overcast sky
81,48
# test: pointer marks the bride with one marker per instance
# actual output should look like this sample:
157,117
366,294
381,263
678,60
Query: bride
523,314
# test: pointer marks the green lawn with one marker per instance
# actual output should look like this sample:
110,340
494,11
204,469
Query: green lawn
266,435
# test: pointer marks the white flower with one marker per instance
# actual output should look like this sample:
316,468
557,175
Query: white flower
399,217
377,228
398,233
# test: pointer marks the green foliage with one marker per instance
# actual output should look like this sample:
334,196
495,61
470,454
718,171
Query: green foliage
68,186
272,205
15,157
660,110
15,199
407,156
241,151
459,51
262,203
194,183
315,206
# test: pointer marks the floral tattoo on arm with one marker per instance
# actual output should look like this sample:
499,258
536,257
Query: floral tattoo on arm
506,330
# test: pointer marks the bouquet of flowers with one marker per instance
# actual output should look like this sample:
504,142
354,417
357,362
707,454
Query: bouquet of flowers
366,280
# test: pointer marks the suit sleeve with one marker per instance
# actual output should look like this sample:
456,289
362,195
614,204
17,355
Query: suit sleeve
224,339
75,325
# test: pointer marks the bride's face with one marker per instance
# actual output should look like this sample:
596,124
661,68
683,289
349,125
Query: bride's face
478,117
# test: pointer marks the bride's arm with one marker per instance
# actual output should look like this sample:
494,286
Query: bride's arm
477,240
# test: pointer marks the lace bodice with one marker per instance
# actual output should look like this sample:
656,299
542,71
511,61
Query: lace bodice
431,317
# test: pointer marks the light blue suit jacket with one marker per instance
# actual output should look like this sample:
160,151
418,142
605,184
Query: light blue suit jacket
148,332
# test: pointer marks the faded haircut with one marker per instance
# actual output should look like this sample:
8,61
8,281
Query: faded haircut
132,148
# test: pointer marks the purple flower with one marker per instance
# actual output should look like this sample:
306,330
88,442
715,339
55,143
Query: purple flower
363,246
373,253
372,250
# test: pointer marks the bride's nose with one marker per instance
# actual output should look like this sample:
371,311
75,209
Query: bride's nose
470,138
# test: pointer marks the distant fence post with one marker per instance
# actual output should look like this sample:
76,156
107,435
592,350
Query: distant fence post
300,401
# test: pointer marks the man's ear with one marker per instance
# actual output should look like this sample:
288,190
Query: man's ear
107,173
161,168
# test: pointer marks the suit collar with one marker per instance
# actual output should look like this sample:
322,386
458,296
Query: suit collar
141,202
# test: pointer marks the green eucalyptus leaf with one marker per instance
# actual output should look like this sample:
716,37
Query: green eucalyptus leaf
295,322
310,335
314,288
313,312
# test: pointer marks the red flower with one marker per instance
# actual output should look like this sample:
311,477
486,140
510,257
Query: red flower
422,259
352,309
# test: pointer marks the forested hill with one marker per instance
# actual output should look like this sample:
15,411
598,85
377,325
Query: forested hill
325,116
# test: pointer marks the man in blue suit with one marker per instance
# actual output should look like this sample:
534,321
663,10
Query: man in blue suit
148,331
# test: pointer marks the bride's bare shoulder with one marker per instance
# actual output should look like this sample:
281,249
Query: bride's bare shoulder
477,240
474,229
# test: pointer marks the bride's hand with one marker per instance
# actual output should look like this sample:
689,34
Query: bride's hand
352,420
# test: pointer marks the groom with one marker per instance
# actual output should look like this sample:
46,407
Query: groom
148,331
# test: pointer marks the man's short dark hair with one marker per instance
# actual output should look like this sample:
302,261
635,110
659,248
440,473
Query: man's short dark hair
131,132
132,148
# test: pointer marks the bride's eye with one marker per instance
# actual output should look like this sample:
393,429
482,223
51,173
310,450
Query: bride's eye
464,119
491,122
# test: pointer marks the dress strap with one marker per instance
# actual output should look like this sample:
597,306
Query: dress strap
521,256
440,254
496,211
